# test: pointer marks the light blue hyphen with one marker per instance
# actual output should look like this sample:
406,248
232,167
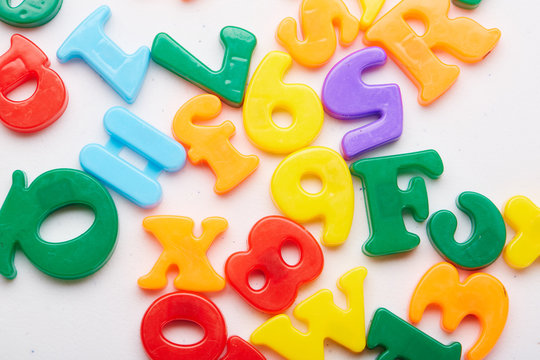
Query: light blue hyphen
127,130
123,72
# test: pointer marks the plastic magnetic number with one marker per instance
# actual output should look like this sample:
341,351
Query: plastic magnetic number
386,202
345,96
127,130
480,295
29,13
229,82
24,61
201,311
187,252
265,242
467,4
267,93
27,207
123,72
325,321
401,340
524,217
461,37
211,144
318,19
334,204
487,238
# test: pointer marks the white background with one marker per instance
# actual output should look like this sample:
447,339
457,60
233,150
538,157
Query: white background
485,129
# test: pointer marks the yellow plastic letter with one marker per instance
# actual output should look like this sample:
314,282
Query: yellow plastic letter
210,144
324,320
188,253
524,217
267,93
480,295
462,37
334,204
318,18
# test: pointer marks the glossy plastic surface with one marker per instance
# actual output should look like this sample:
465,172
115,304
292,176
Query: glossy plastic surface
345,96
22,62
266,93
386,202
467,4
462,37
487,238
524,217
324,320
29,13
265,243
403,341
185,251
127,130
480,295
210,144
318,19
201,311
187,307
125,73
333,205
26,208
229,82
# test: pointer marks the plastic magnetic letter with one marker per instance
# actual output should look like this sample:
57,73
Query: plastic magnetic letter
27,207
386,202
187,252
462,37
487,238
183,306
29,13
401,340
480,295
265,242
266,94
467,4
371,9
325,321
229,82
123,72
524,217
333,205
211,144
345,96
22,62
127,130
318,19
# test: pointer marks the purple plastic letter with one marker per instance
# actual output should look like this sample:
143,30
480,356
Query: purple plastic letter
345,96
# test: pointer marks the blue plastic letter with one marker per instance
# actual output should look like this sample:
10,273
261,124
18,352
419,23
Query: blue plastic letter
124,73
127,130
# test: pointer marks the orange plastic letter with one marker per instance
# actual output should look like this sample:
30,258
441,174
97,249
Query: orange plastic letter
184,250
462,37
211,144
318,18
480,295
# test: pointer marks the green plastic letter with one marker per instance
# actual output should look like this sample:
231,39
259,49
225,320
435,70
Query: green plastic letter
29,13
25,209
467,4
405,342
488,234
229,82
385,202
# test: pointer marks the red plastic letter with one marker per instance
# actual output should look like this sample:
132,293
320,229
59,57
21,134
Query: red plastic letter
24,61
201,311
265,242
